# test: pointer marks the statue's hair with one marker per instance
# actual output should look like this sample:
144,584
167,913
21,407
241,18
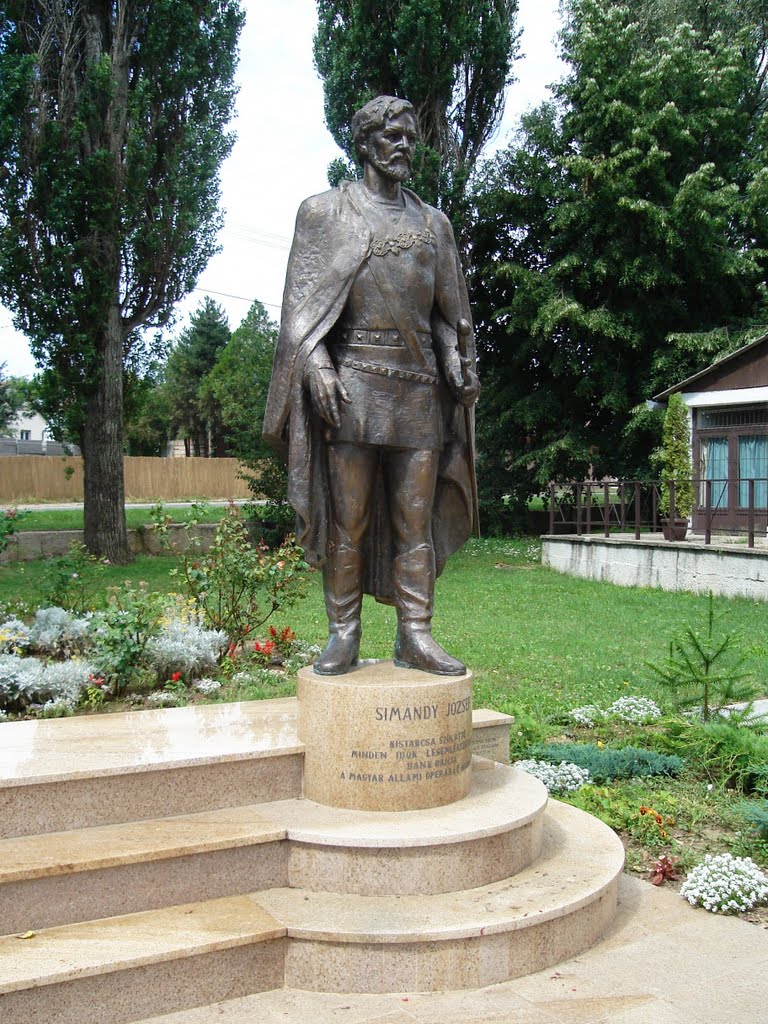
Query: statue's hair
374,115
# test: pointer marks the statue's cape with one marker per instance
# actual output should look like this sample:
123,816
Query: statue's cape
330,243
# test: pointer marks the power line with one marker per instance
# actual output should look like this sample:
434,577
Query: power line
255,235
242,298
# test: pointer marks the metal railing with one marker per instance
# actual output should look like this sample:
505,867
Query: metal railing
632,506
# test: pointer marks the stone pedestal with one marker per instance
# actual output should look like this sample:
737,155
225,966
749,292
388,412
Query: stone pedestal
382,738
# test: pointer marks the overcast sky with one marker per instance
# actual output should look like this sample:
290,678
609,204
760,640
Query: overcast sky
283,150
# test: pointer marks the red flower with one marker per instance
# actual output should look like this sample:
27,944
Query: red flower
272,631
175,677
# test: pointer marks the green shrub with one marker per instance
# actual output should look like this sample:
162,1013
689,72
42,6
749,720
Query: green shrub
605,764
236,585
123,630
623,811
727,755
756,815
75,581
674,457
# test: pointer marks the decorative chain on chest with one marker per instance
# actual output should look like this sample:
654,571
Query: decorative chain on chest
381,246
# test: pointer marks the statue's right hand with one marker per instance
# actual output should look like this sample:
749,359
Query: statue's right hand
326,392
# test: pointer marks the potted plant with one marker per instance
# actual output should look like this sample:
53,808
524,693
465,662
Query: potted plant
674,457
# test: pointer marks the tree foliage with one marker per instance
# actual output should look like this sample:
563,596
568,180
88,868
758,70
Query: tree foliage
192,406
239,382
148,411
623,229
451,58
14,396
674,458
112,132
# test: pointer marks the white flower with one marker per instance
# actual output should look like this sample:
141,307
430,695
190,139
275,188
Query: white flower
161,699
587,715
726,884
558,778
636,710
207,686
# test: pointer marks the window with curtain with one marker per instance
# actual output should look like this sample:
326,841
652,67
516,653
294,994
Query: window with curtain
714,466
753,465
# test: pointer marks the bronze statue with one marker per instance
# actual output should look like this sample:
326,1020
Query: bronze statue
371,395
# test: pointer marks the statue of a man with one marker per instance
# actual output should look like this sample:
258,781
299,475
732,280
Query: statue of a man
371,395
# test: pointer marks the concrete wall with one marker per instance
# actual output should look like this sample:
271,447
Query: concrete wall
28,545
729,571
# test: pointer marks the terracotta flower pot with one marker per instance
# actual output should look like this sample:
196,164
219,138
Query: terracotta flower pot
674,529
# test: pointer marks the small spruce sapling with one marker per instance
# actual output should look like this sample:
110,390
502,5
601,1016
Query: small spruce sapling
705,670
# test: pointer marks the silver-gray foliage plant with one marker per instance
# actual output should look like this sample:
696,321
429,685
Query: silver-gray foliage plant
14,636
187,648
25,681
58,632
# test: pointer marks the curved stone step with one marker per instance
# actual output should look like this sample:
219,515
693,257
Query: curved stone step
128,967
550,911
491,834
61,877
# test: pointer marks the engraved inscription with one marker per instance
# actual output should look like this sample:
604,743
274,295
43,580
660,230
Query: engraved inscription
415,759
419,713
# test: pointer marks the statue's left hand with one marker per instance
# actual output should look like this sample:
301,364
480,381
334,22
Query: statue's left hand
465,386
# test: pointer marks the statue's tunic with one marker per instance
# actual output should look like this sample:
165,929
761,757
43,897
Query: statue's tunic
397,400
395,397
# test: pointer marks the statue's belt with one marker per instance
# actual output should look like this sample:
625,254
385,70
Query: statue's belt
384,351
387,371
391,338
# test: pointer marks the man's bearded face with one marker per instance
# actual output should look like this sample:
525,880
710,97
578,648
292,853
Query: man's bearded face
390,148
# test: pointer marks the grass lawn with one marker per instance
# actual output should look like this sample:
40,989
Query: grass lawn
72,518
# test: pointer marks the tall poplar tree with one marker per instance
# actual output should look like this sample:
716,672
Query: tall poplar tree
451,58
112,132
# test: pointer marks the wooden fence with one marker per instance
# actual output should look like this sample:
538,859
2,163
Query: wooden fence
33,478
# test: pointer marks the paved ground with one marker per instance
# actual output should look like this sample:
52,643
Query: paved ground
663,962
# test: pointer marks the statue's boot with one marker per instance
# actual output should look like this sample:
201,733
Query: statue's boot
415,647
343,589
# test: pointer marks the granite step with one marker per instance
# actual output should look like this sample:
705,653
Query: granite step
552,910
134,966
62,877
94,770
124,968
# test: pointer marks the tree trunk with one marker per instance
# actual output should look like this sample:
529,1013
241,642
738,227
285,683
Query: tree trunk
106,535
